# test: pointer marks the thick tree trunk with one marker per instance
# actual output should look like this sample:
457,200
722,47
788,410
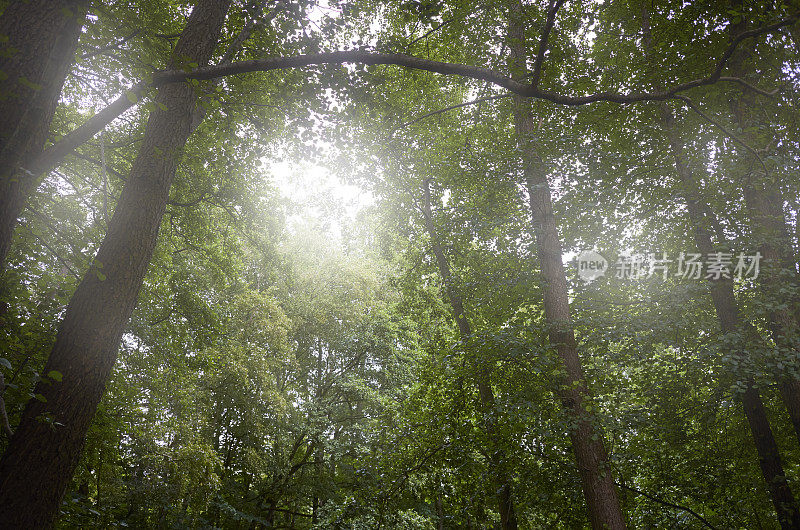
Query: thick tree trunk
587,441
38,464
505,501
722,294
35,60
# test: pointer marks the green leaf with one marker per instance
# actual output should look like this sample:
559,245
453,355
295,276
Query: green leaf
55,375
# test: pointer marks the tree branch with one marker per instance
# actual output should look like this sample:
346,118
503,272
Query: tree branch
428,33
451,107
748,86
715,123
462,70
552,10
670,504
472,72
112,46
56,153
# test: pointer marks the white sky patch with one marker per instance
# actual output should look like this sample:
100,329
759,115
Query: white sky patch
445,197
319,196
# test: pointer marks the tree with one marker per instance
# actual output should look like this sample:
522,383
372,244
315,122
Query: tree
38,49
740,336
40,459
590,454
505,499
256,386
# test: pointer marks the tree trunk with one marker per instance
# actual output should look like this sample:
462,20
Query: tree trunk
590,454
505,500
702,220
764,205
587,442
35,60
41,457
727,311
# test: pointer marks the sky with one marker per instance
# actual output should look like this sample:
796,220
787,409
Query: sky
319,194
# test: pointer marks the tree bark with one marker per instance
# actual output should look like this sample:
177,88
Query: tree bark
41,457
34,62
587,442
505,500
702,221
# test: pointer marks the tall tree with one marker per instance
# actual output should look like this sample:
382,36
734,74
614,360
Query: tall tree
40,459
742,336
39,39
505,499
764,203
601,495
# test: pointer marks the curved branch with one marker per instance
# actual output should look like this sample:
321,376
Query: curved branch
462,70
56,153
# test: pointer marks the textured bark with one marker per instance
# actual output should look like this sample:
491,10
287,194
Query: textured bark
38,464
772,234
703,222
42,39
587,440
505,501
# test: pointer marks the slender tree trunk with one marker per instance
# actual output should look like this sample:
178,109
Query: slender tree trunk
727,310
587,440
722,294
764,205
439,512
35,60
505,501
41,457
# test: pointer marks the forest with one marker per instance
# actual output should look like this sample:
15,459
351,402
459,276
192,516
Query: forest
411,264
